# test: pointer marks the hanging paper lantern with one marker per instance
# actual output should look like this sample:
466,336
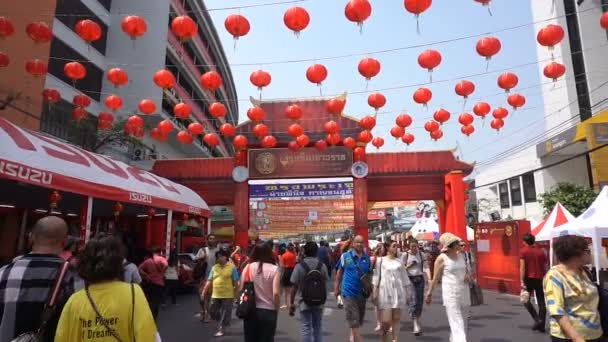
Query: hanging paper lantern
500,113
333,139
550,35
6,27
359,153
465,88
184,27
88,30
369,68
268,141
429,59
441,116
603,21
320,145
365,136
164,79
335,106
431,126
105,120
331,127
465,119
482,109
196,128
211,139
134,26
184,137
79,113
303,140
349,142
217,110
165,126
135,121
36,67
316,73
39,32
488,47
54,199
295,130
467,130
211,80
260,79
256,113
182,111
417,7
376,100
237,25
51,95
437,134
294,112
554,71
378,142
296,19
423,96
403,121
260,130
74,71
4,60
508,81
240,142
118,77
293,146
516,101
113,102
358,11
227,130
497,124
397,132
367,122
408,138
82,101
147,106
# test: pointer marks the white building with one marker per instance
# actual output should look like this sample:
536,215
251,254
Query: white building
511,185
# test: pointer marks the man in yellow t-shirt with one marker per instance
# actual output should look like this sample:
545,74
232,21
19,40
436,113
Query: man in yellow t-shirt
223,279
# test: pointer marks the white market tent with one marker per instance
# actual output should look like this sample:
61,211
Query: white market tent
559,216
425,229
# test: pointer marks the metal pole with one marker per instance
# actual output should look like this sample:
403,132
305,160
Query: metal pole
168,236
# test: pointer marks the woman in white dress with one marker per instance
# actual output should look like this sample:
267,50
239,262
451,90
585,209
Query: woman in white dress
392,291
451,268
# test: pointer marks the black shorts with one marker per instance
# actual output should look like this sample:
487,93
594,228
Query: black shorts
286,278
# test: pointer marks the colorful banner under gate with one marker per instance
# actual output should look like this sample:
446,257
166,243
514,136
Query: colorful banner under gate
307,190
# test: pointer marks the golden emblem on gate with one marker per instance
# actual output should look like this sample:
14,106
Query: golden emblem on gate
509,231
266,163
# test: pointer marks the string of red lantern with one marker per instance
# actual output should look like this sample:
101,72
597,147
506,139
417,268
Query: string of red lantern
196,128
497,124
296,19
369,68
358,11
604,21
164,78
408,138
550,35
74,71
294,112
403,121
256,113
316,73
4,60
260,79
467,130
260,130
335,106
82,101
516,101
227,130
429,59
51,95
554,71
488,47
118,77
36,67
88,30
376,101
147,106
423,96
7,28
485,3
482,109
211,80
442,116
507,81
39,32
237,25
184,27
113,102
217,110
465,89
134,26
378,142
417,7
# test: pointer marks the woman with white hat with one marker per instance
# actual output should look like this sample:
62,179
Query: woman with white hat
451,269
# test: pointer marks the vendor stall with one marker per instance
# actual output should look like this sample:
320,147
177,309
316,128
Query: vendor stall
559,216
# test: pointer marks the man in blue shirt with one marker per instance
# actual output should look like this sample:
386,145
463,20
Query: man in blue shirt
353,264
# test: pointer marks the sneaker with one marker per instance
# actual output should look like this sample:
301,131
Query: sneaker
219,334
417,328
378,328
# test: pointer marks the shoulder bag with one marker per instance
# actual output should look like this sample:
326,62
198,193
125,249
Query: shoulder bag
246,302
366,280
475,293
49,310
104,321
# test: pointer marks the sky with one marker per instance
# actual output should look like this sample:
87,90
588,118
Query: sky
444,27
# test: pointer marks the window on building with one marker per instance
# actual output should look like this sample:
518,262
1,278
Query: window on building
515,185
529,188
503,194
69,12
57,121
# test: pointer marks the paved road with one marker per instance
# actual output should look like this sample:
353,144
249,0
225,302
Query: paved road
501,319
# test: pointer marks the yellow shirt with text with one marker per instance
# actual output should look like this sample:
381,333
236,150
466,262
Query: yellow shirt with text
79,322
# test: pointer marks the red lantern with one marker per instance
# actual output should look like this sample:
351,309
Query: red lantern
335,106
369,68
293,146
164,79
82,101
268,141
349,142
79,113
367,122
378,142
467,130
240,157
217,110
135,121
296,19
165,126
303,140
603,21
397,132
184,27
429,59
105,120
237,25
516,101
482,109
366,137
182,111
113,102
36,67
137,132
431,126
436,135
466,119
295,130
500,113
227,130
260,79
184,137
134,26
321,145
256,113
240,142
423,96
359,153
39,32
331,127
211,80
376,100
554,71
550,35
196,128
211,139
497,124
417,7
54,199
6,27
88,30
441,116
403,121
358,11
147,106
260,130
333,139
408,138
488,47
465,88
118,77
507,81
74,71
51,95
4,60
316,73
294,112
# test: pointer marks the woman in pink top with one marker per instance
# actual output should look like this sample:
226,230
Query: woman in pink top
265,275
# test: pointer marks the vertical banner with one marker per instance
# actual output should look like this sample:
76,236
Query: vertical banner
168,232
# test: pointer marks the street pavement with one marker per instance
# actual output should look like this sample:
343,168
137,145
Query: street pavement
501,319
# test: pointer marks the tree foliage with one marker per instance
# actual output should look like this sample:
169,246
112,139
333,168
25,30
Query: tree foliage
576,198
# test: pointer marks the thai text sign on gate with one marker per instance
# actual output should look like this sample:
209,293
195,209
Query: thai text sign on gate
307,162
303,190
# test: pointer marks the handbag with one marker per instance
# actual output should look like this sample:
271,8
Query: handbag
475,293
366,281
246,303
49,309
104,322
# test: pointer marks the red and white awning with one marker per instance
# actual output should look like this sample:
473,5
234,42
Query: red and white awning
558,217
35,158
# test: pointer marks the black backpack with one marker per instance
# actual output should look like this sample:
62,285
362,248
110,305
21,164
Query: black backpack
314,292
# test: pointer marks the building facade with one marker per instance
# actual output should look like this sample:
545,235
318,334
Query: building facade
575,115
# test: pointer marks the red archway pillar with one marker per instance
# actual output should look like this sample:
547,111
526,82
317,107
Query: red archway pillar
241,205
441,215
455,220
360,204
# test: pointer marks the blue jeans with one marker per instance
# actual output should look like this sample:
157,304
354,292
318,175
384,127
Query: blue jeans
311,325
415,308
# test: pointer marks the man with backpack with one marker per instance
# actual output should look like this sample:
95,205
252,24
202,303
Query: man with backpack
309,278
